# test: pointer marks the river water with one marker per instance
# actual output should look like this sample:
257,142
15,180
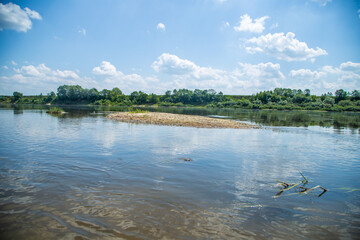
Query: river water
82,176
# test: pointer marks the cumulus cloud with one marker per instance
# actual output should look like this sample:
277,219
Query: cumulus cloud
106,68
306,74
248,25
160,27
283,47
31,70
350,66
13,17
249,78
328,78
175,72
44,73
172,64
34,78
186,74
5,67
32,14
258,76
185,69
127,82
322,2
261,71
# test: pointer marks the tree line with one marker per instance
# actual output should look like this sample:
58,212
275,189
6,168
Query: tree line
279,98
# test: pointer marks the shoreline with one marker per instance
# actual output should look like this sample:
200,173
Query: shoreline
170,119
185,106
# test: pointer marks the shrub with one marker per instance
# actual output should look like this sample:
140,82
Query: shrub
138,111
55,110
329,100
345,103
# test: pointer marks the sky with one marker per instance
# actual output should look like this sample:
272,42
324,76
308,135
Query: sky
233,46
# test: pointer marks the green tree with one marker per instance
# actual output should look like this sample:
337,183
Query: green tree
355,95
340,95
264,97
17,96
152,99
300,98
116,95
93,94
50,97
104,94
138,97
62,92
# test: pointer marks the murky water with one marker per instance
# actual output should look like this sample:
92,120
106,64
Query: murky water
82,176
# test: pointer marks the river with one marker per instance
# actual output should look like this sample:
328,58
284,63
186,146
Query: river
83,176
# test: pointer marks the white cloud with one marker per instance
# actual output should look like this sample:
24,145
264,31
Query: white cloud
350,66
172,64
106,68
258,76
127,83
283,47
306,74
186,74
44,73
175,72
13,17
322,2
250,78
82,31
359,12
29,70
33,14
261,71
66,74
13,63
5,67
247,24
327,78
31,79
161,27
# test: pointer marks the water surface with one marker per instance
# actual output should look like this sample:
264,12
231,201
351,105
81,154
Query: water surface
82,176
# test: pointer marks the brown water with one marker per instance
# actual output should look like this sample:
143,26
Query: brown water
82,176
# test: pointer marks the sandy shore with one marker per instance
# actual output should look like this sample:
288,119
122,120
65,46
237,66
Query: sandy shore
178,120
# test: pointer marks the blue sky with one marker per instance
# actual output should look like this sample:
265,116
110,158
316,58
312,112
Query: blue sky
234,46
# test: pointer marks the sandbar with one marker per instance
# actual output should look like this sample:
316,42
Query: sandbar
170,119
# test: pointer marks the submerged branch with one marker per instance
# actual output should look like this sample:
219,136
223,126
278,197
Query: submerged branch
299,187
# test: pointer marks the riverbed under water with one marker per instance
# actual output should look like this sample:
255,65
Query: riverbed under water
82,176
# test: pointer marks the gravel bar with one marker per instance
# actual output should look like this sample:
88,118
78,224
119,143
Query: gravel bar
170,119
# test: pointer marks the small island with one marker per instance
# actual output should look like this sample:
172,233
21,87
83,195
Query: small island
182,120
55,111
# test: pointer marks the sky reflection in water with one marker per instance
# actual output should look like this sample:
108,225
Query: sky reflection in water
92,177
